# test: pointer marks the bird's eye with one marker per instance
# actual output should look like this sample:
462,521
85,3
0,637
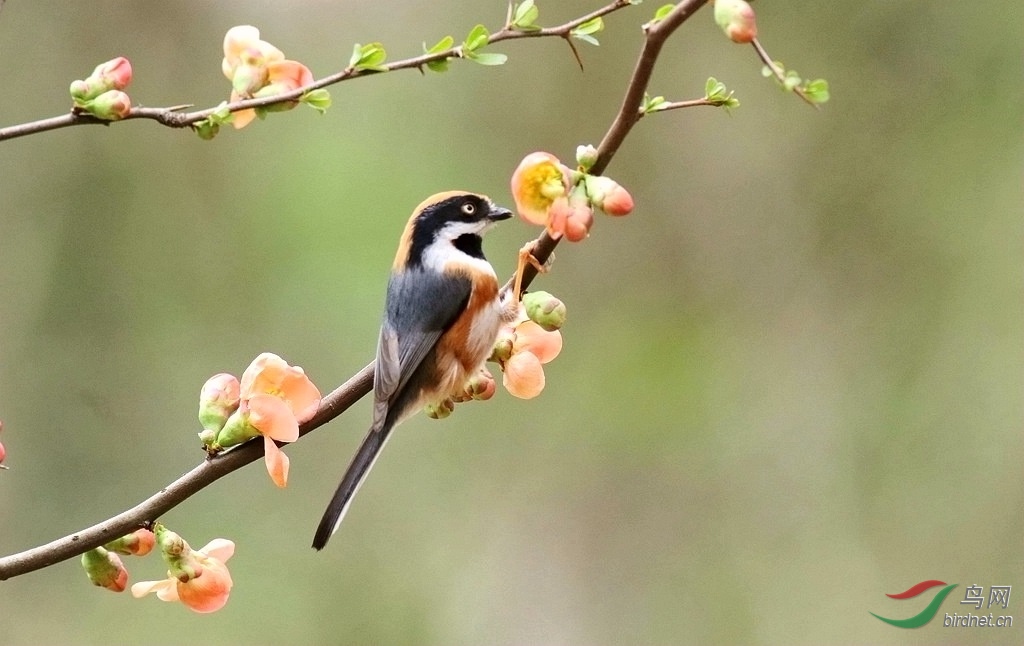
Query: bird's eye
468,208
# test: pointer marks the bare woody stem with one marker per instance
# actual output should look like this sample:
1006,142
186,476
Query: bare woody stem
338,401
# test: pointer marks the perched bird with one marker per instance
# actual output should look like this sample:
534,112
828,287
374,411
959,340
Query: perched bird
441,317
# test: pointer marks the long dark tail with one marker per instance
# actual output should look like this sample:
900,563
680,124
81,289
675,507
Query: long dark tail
357,471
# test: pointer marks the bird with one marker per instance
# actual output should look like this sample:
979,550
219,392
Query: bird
442,313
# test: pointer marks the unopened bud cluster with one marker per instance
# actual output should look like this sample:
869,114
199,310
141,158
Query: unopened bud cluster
101,94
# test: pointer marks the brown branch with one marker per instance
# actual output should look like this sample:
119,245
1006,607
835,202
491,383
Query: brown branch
359,385
173,118
628,115
207,472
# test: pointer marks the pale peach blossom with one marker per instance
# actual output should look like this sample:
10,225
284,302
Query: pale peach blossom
258,69
276,398
197,578
532,347
537,183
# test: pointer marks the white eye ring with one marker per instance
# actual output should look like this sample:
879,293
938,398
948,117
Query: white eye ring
468,208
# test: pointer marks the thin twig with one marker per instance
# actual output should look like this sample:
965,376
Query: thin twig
628,114
678,105
778,73
172,118
338,401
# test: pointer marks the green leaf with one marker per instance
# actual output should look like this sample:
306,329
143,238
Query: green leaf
368,57
319,100
489,58
662,11
792,80
221,114
442,45
589,27
652,104
477,39
525,15
583,32
438,66
817,90
206,129
635,1
714,89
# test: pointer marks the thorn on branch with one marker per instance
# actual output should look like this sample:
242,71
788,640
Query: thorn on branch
575,52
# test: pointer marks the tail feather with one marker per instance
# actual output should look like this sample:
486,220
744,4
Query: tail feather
354,476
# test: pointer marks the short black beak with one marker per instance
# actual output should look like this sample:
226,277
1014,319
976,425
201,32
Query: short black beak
498,214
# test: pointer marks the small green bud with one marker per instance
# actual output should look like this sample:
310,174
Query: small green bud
112,105
586,156
236,430
440,410
545,310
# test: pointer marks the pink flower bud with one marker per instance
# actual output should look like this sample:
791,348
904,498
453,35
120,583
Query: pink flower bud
115,74
218,398
607,195
481,386
577,226
3,452
112,105
618,201
138,543
737,20
105,569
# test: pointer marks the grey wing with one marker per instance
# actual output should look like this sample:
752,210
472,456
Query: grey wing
420,307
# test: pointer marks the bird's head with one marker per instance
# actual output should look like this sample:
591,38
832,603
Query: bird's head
446,225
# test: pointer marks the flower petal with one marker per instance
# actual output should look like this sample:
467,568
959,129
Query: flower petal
534,339
538,181
219,548
236,40
524,375
273,418
142,588
302,396
209,591
277,462
265,372
290,73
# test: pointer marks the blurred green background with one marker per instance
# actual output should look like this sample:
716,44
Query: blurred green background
791,382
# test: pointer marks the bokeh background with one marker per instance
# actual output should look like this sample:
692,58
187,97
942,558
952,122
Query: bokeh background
791,382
